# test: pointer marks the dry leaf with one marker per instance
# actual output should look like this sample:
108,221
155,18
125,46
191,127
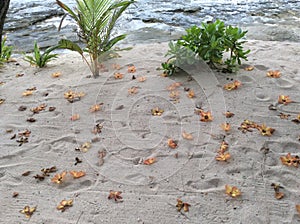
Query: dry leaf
25,174
2,101
206,116
284,100
249,68
142,79
172,144
77,174
75,117
59,178
85,147
224,146
229,114
73,96
298,209
95,107
131,69
181,204
52,108
232,191
226,126
223,156
187,136
118,75
191,94
157,111
133,90
284,116
27,93
289,160
232,85
56,74
46,171
39,108
274,74
27,211
116,195
149,161
15,194
265,131
64,204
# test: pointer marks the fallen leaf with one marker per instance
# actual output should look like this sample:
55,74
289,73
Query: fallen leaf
39,177
223,148
64,204
249,68
52,108
22,140
97,129
85,147
95,107
149,161
77,174
232,85
232,191
73,96
131,69
279,195
75,117
191,94
265,131
27,211
284,116
229,114
39,108
25,174
47,171
27,93
172,144
157,111
223,156
2,101
205,116
31,120
298,209
282,99
133,90
31,88
116,195
289,160
142,79
101,155
184,205
15,194
118,75
25,133
187,136
56,74
226,126
274,74
59,178
19,75
22,108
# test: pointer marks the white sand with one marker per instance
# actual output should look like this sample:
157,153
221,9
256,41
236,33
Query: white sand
131,134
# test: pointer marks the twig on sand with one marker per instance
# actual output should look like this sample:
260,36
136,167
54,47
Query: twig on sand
79,218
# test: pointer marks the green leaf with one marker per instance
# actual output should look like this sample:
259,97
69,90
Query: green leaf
67,44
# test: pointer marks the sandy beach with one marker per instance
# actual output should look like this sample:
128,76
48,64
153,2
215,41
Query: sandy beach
40,129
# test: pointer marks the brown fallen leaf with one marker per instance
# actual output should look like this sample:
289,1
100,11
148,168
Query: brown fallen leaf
75,117
52,108
64,204
2,101
25,174
31,88
39,108
116,195
56,74
172,143
182,205
27,211
31,120
59,178
77,174
15,194
19,75
97,129
39,177
284,116
274,74
47,171
187,136
232,191
298,209
101,155
149,161
22,108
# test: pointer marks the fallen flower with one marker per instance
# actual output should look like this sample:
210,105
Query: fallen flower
232,85
56,74
282,99
184,205
232,191
172,144
205,116
116,195
131,69
85,147
118,75
27,93
187,136
191,94
229,114
142,79
289,160
95,107
278,194
64,204
133,90
2,101
27,211
265,131
274,74
223,156
77,174
75,117
284,116
226,126
59,178
157,111
149,161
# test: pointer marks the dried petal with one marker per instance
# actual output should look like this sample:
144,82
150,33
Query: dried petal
265,131
232,85
249,68
56,74
232,191
133,90
157,111
75,117
131,69
223,156
187,136
226,126
191,94
172,144
59,178
118,75
27,211
206,116
95,107
142,79
149,161
116,195
27,93
77,174
64,204
229,114
282,99
274,74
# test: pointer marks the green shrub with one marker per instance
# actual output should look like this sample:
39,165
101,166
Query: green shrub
6,51
41,59
209,42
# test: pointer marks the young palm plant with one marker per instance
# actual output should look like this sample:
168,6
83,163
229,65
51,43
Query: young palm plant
96,20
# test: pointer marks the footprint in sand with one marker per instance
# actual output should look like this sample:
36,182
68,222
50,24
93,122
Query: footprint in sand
261,94
245,79
284,83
